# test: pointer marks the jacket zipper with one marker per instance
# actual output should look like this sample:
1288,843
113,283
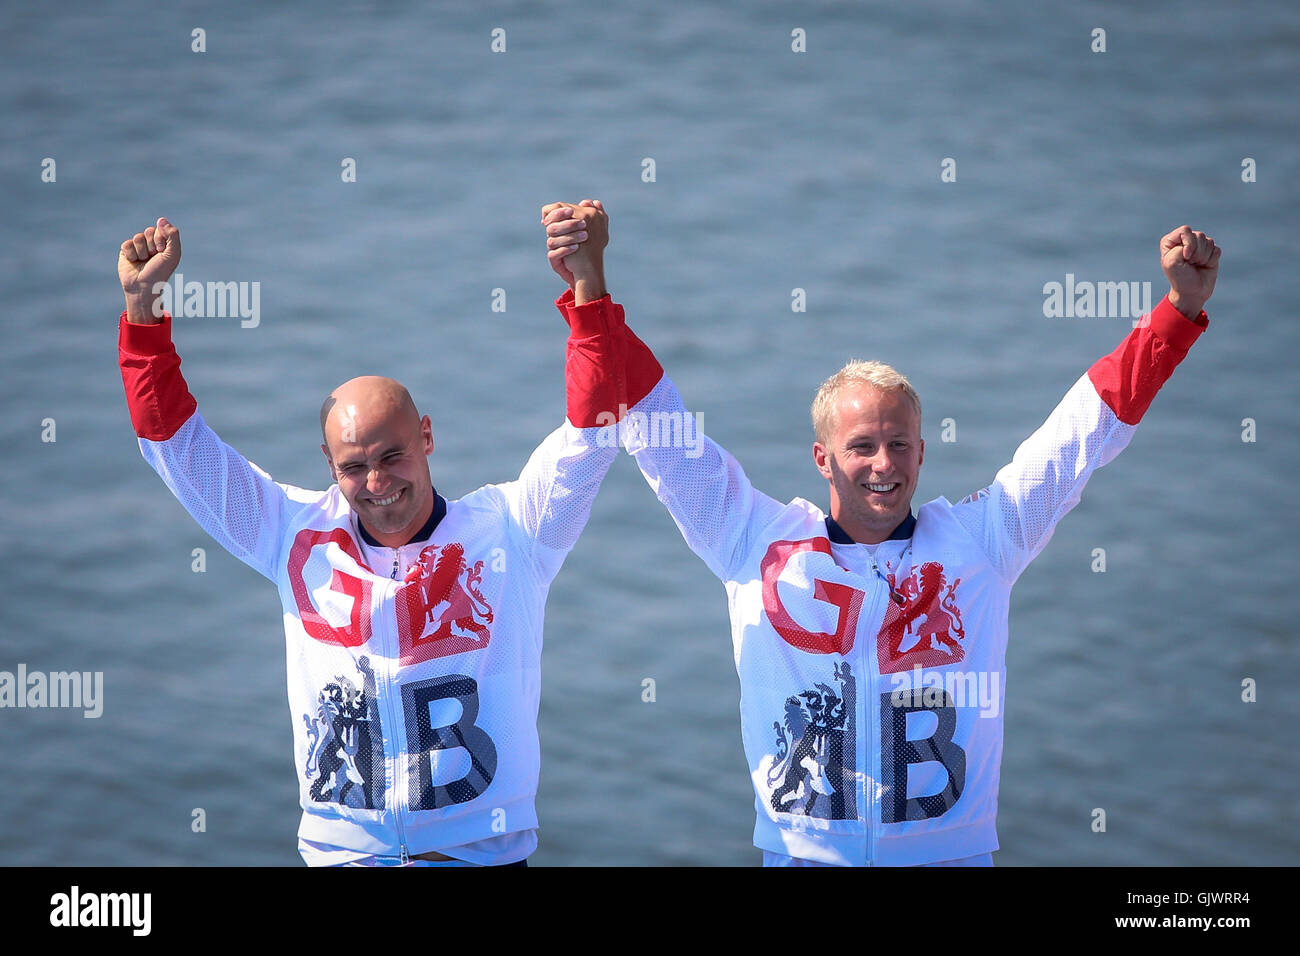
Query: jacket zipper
880,586
866,704
399,769
872,777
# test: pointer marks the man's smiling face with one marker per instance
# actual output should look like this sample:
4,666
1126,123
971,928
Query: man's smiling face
378,447
872,458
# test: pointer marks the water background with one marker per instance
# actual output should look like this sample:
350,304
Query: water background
774,171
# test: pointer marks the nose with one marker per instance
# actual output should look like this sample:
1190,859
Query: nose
881,463
376,480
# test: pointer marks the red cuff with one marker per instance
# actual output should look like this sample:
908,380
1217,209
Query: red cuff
1127,380
145,339
563,303
1174,327
643,369
608,369
156,394
598,317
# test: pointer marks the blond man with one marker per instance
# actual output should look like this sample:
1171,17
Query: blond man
870,641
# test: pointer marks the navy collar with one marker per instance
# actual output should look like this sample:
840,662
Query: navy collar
901,533
439,512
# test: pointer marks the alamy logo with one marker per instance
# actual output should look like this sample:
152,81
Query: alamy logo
1102,300
680,429
213,300
66,689
76,908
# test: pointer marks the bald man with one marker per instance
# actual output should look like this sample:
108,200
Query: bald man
413,624
396,499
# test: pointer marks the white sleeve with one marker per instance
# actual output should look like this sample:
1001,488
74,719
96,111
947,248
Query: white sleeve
704,488
1013,518
550,501
231,498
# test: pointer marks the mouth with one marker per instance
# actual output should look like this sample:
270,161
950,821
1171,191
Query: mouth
386,502
884,490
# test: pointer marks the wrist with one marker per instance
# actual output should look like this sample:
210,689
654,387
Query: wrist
1189,307
588,285
140,309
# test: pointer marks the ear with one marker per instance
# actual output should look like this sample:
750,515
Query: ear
330,461
426,432
920,459
821,458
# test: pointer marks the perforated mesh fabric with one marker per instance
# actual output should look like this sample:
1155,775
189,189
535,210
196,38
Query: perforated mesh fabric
705,489
552,497
232,499
1013,518
445,669
840,774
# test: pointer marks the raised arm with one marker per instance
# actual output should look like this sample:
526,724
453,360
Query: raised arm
551,500
715,506
1014,517
234,501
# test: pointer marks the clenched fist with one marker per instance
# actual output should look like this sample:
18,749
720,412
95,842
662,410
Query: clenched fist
147,259
1190,260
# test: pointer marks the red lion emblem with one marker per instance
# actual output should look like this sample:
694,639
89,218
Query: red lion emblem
926,628
440,610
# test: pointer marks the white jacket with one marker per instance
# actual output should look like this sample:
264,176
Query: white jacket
873,726
414,696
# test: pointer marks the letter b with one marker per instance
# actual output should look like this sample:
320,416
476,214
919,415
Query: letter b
898,754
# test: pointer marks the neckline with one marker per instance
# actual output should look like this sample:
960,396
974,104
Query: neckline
439,512
904,531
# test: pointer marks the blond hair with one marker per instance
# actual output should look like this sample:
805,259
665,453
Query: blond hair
856,372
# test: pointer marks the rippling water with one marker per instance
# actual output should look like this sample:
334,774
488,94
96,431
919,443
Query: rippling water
773,171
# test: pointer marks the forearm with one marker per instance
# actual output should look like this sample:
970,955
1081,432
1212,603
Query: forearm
231,498
1014,517
1129,377
704,488
553,496
156,393
589,283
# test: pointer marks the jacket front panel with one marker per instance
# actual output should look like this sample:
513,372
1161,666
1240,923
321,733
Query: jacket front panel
389,680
